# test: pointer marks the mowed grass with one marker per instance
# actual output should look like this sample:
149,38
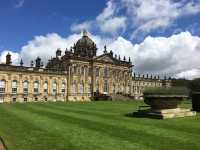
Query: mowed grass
93,126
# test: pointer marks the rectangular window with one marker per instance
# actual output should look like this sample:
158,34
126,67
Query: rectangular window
14,90
35,90
25,90
97,72
2,90
14,87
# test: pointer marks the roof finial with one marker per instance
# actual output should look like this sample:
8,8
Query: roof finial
85,33
21,62
105,49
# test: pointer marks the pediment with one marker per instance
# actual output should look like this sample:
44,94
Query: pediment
106,58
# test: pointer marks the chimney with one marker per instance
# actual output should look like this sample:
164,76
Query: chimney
58,53
38,62
8,59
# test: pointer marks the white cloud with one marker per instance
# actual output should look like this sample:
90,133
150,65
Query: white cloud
148,15
46,46
82,26
19,3
161,55
113,25
177,55
107,21
140,16
15,57
189,74
107,12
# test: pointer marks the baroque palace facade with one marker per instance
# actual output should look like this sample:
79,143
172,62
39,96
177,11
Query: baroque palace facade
77,75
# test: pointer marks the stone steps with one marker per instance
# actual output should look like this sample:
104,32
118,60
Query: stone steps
121,97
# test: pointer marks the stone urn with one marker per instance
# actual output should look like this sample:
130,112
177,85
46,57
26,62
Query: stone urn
196,101
163,103
158,102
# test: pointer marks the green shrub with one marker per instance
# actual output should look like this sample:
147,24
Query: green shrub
167,91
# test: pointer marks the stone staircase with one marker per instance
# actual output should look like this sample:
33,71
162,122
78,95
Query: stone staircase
120,97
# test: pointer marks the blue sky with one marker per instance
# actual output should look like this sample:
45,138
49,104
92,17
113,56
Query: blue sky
39,17
150,31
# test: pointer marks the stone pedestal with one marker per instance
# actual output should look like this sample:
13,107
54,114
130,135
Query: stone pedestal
165,113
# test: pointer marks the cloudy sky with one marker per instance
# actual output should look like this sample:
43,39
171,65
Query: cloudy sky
161,36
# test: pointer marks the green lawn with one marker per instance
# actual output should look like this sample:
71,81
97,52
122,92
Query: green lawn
93,126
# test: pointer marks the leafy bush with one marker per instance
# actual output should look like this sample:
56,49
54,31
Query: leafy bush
166,91
195,85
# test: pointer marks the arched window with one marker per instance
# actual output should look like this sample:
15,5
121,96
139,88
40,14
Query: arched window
75,69
36,87
129,88
86,70
106,74
114,89
74,87
97,86
14,86
54,88
25,87
97,72
2,86
63,87
89,88
106,87
82,70
82,87
45,86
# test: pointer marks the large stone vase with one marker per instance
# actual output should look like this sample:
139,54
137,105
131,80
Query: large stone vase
158,102
164,106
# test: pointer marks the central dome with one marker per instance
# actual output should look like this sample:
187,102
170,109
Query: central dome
85,47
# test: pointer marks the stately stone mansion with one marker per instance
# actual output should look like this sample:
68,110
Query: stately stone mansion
77,75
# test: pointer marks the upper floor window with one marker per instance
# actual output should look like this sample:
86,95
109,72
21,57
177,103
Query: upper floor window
97,86
106,72
82,87
2,86
25,87
63,87
14,86
82,70
114,88
97,72
106,86
74,87
36,87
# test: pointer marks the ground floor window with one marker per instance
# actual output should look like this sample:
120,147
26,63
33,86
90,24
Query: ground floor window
2,86
106,86
82,88
1,98
14,99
